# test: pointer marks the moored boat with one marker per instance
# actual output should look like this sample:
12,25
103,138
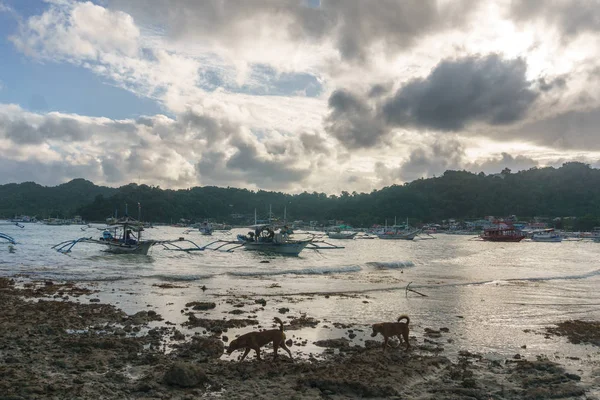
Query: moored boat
264,239
399,233
548,236
502,234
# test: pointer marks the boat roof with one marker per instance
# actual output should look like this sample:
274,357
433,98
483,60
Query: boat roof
129,222
259,226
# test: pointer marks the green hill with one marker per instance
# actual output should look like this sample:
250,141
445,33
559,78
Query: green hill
571,190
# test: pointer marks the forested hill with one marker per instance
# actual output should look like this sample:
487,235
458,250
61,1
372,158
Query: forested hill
571,190
58,201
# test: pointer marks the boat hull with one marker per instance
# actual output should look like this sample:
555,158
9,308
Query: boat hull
399,236
290,249
504,239
140,248
547,239
337,235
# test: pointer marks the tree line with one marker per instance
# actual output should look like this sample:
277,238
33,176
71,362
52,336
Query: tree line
573,190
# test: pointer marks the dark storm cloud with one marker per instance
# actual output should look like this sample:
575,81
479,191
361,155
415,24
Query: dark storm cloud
495,165
22,131
458,92
575,129
246,166
314,144
432,161
353,25
353,121
51,173
261,171
572,17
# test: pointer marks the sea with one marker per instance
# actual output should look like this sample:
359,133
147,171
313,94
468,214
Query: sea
495,299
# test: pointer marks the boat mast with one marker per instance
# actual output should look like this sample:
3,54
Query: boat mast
255,216
285,214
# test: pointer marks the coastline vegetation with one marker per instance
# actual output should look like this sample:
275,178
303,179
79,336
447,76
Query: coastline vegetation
571,192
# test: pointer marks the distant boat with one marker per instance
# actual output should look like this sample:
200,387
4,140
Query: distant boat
119,238
341,235
548,236
264,239
502,234
7,238
399,233
206,229
341,232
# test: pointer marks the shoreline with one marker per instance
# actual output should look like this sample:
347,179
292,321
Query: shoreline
56,348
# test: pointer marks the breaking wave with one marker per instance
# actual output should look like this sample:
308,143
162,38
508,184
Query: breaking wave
304,271
179,278
391,264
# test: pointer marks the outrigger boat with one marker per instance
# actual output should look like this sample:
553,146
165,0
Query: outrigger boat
206,229
264,239
7,238
399,232
119,238
341,232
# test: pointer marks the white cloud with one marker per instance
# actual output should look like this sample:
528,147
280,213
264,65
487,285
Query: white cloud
220,70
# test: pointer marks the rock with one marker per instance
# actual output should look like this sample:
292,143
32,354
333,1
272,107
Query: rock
95,300
352,335
207,346
283,310
517,356
262,302
201,305
225,339
333,343
185,375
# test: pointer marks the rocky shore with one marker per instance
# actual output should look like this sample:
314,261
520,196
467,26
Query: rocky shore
52,347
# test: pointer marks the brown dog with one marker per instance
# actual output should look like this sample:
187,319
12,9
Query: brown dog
389,329
256,340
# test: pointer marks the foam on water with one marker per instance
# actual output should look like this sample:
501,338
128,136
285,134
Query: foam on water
391,264
304,271
177,278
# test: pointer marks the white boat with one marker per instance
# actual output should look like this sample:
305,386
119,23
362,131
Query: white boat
341,235
548,236
263,238
9,239
206,229
120,238
399,233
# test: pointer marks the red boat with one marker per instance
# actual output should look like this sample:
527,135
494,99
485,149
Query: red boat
507,234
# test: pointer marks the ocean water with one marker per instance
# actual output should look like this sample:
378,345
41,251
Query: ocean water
494,298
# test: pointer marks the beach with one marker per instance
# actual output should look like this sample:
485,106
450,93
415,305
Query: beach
56,347
487,322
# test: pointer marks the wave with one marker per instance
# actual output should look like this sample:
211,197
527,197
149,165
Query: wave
391,264
304,271
178,278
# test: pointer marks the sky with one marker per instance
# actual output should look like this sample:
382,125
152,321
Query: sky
294,95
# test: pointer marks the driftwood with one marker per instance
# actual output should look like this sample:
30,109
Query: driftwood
412,290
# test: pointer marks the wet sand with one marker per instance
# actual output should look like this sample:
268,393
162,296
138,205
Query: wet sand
53,347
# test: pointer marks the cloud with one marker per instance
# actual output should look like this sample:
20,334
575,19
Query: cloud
185,151
494,165
353,27
462,91
353,121
84,30
573,129
571,17
456,93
